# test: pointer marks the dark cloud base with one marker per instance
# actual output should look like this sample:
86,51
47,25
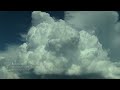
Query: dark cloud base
54,76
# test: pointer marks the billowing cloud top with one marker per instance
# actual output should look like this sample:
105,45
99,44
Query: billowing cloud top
73,46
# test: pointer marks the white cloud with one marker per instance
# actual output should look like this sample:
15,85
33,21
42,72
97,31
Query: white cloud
91,19
105,24
39,17
57,47
5,74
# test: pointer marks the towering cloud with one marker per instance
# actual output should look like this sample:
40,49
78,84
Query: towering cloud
64,47
105,25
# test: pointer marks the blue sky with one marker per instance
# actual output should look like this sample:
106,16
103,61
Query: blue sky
13,23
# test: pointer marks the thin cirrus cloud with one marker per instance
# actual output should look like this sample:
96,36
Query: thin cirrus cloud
73,46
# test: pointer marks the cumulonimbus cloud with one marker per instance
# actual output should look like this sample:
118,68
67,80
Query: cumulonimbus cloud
63,47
